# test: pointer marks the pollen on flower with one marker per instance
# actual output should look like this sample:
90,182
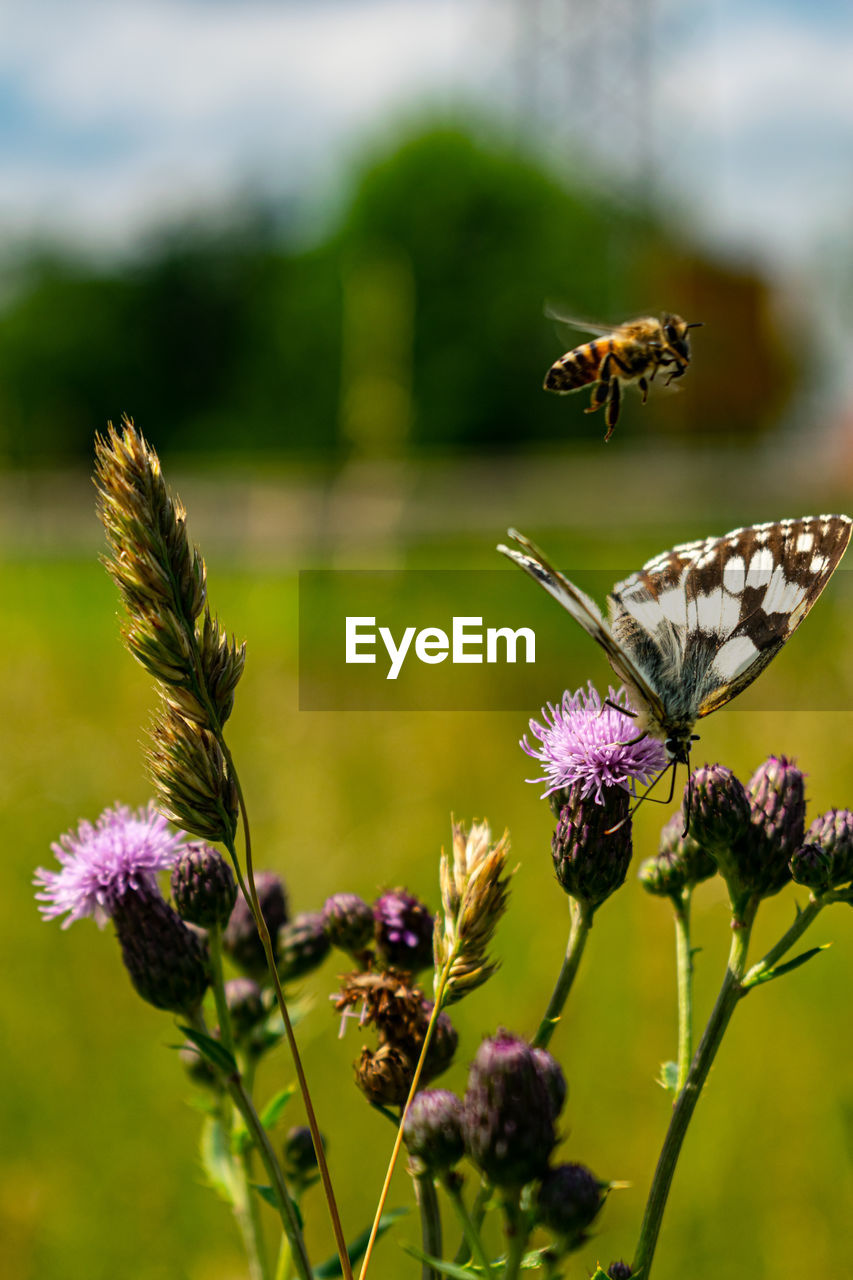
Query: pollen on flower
581,741
121,852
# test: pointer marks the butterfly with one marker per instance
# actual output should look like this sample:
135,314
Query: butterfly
696,625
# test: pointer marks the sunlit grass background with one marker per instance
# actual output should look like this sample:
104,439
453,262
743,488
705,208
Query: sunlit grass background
99,1174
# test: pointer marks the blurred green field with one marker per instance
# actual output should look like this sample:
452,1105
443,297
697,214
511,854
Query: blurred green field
98,1172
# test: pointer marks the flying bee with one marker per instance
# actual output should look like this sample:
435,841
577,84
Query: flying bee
633,352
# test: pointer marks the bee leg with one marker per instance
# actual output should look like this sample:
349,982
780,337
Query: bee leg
611,413
600,392
644,387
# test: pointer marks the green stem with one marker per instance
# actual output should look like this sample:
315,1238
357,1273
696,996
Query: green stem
517,1232
248,1214
730,994
284,1265
430,1222
684,965
797,929
578,934
398,1141
469,1222
287,1209
214,946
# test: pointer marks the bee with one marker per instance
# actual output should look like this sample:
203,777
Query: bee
633,352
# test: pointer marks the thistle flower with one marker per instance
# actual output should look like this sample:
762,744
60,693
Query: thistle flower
509,1125
587,745
121,853
474,893
240,939
166,959
570,1198
403,929
203,886
302,945
433,1131
555,1080
349,923
592,845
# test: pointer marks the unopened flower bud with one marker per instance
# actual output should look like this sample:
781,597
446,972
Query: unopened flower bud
385,1076
245,1005
403,930
696,862
719,816
433,1131
570,1198
592,845
302,945
300,1158
778,809
509,1126
166,960
197,1066
349,923
812,866
619,1271
442,1045
555,1081
241,940
833,832
203,886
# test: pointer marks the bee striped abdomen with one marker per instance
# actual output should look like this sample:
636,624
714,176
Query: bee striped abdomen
578,368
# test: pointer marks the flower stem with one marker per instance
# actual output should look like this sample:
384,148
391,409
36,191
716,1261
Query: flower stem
214,946
247,1213
684,965
797,929
398,1141
731,992
470,1223
578,934
517,1238
430,1222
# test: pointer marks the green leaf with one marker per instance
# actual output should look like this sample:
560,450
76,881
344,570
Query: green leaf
212,1050
271,1113
535,1259
216,1158
452,1269
268,1194
600,1274
332,1266
788,967
668,1078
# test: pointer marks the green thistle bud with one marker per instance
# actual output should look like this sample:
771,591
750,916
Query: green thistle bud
433,1132
203,886
509,1125
833,832
302,945
570,1198
166,960
348,921
592,845
245,1005
812,866
778,809
300,1158
664,875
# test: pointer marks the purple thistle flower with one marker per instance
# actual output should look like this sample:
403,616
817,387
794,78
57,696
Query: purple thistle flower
122,852
586,744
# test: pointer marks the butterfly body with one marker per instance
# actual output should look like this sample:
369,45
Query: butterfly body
697,624
632,352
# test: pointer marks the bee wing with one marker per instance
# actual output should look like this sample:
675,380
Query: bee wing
583,609
583,326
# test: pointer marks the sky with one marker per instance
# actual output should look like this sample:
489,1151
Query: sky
117,117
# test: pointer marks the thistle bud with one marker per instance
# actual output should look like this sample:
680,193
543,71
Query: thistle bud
385,1076
442,1045
349,923
570,1198
302,945
664,875
812,866
833,832
433,1132
300,1158
197,1067
403,930
555,1081
240,939
592,845
619,1271
778,809
509,1126
166,960
203,886
696,862
245,1005
720,816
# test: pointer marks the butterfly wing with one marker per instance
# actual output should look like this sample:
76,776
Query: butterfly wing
717,611
585,611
